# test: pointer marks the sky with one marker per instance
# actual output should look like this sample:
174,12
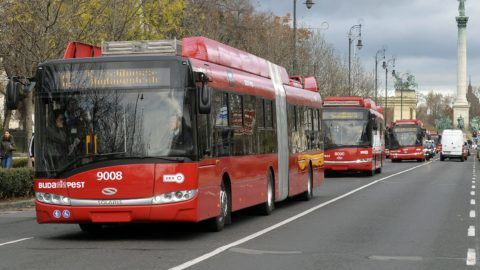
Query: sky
420,34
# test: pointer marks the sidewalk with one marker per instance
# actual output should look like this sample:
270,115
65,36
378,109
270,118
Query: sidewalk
16,204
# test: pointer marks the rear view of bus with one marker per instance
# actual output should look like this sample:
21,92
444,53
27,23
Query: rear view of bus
354,135
407,139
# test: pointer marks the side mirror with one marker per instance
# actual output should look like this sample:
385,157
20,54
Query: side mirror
13,94
204,94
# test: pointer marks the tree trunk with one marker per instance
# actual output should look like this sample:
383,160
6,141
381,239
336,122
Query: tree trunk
8,116
28,101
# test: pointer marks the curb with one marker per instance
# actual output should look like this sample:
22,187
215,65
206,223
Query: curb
16,205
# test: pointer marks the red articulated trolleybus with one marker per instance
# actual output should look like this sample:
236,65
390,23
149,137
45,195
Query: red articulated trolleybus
354,135
407,139
169,131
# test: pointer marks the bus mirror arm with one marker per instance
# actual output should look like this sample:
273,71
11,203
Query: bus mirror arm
17,89
204,93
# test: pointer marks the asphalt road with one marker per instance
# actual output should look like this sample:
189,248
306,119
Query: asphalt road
412,216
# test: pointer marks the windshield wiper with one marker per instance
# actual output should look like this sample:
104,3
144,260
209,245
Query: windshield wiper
116,155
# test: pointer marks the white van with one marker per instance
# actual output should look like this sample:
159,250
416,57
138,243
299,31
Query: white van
452,144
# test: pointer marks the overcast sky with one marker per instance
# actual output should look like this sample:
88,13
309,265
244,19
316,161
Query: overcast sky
421,34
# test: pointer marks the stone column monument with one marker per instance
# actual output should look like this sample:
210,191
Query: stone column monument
461,106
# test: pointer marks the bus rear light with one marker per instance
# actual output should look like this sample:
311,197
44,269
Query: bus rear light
52,198
176,196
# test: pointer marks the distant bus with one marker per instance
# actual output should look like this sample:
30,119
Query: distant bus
354,135
407,139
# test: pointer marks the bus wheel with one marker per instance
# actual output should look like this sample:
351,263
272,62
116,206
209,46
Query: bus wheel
267,207
217,224
379,170
91,227
462,159
308,194
442,158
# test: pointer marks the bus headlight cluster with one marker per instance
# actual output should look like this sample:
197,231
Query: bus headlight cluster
52,198
176,196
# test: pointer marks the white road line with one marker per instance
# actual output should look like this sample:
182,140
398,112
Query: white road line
284,222
473,182
471,257
472,214
472,193
472,201
15,241
471,231
473,187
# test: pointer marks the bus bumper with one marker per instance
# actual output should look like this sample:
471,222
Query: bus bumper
173,212
408,156
356,165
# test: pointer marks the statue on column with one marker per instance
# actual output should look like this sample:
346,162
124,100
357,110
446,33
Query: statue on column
461,7
461,122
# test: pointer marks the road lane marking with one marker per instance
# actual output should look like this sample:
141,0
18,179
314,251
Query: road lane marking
472,193
263,252
221,249
472,213
472,201
473,187
471,257
473,182
471,231
15,241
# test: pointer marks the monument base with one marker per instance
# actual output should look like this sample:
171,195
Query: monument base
461,110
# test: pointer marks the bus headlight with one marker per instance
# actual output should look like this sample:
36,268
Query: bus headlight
52,198
175,196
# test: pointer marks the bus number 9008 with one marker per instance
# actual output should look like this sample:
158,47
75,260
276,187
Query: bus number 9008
109,176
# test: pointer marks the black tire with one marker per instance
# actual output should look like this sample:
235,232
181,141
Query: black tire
308,194
379,170
462,159
91,227
442,158
217,224
267,207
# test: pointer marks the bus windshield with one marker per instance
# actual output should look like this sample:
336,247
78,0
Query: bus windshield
346,128
406,136
90,112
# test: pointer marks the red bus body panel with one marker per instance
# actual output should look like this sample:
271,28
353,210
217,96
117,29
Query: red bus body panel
349,159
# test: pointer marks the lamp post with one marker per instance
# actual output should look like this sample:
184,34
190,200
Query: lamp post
380,53
386,64
351,37
309,4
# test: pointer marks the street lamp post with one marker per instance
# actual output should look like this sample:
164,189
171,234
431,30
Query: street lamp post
351,37
386,65
380,53
309,4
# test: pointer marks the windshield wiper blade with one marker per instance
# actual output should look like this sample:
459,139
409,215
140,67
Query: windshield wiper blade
93,156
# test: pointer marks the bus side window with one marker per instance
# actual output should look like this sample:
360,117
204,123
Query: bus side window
235,103
221,142
249,118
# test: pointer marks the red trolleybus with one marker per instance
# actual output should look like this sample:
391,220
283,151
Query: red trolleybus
407,140
354,135
158,132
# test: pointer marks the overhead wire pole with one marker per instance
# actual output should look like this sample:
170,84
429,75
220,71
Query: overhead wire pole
309,4
382,54
351,38
385,66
